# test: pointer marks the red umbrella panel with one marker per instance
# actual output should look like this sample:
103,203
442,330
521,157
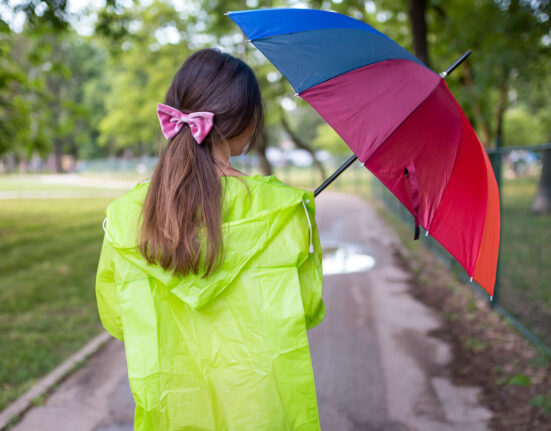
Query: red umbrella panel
398,117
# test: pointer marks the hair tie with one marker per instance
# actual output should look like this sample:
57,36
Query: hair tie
172,120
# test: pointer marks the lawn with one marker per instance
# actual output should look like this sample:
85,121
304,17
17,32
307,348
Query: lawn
49,249
525,251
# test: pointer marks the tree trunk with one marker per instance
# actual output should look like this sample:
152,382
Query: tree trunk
10,162
481,119
301,144
260,148
54,85
501,101
417,9
23,165
542,202
58,152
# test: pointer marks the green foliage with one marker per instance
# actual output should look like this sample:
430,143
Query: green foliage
94,95
518,380
506,40
542,401
139,78
44,98
14,121
328,139
475,345
524,128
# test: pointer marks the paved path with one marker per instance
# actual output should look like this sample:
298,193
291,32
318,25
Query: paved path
375,366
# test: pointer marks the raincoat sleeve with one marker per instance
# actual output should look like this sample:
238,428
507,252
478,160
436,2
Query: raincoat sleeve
310,274
106,292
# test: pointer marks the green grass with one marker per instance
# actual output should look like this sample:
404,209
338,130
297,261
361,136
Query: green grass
49,250
525,250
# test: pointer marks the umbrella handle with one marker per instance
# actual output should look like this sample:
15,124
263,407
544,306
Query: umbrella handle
409,172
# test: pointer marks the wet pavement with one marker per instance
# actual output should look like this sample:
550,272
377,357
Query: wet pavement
376,367
341,257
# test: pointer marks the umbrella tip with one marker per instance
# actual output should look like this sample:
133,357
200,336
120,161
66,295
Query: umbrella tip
491,298
427,233
471,279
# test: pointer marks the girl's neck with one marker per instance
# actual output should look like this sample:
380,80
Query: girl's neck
231,172
221,154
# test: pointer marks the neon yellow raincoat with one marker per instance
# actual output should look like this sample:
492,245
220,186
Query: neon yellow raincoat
228,352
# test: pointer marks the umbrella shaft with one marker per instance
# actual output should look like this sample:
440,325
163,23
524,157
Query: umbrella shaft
335,174
456,63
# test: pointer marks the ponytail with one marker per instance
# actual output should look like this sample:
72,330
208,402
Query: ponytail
184,196
181,217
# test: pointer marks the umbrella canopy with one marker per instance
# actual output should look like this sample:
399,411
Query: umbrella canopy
398,117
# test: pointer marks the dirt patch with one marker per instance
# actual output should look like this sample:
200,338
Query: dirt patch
487,351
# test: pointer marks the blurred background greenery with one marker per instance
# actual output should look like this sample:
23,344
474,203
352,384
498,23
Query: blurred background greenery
79,84
70,71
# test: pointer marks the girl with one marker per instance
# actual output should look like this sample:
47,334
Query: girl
211,277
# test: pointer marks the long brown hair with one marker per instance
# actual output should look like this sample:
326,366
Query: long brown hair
184,203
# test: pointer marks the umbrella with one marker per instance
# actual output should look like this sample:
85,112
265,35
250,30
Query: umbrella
398,117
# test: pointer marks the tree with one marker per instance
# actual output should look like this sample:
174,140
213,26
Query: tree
514,53
535,97
62,64
139,73
417,17
327,139
45,76
501,57
13,82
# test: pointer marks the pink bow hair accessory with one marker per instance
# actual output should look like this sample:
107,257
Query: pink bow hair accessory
172,121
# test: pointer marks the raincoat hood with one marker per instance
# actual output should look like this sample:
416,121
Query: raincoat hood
249,228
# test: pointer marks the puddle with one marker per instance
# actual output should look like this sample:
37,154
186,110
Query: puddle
345,258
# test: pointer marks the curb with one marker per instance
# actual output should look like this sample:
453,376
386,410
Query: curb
23,403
